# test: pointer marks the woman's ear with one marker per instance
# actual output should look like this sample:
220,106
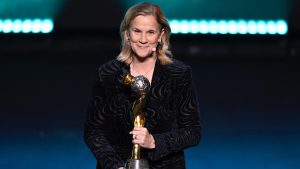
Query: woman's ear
127,35
161,35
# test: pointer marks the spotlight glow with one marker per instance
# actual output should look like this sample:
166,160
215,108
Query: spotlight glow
253,27
17,26
26,26
7,26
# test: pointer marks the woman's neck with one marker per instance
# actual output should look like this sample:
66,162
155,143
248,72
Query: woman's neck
143,67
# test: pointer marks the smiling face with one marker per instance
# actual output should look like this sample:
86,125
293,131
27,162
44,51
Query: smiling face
144,34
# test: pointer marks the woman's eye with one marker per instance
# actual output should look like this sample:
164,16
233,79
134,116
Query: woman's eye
136,31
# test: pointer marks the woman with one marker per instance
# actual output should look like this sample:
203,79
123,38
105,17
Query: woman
171,109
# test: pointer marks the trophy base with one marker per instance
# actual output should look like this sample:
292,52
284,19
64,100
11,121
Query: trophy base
137,164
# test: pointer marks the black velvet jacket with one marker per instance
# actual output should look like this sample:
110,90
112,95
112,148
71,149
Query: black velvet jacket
171,110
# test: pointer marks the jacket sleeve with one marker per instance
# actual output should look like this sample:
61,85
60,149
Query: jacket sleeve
95,129
189,131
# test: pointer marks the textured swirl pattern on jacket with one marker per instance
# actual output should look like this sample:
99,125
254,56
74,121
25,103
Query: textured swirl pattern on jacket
171,111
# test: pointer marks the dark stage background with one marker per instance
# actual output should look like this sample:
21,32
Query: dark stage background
248,88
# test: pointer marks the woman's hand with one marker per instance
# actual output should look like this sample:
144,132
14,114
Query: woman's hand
141,136
121,168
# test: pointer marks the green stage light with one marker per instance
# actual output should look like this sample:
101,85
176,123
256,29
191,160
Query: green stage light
262,27
26,26
175,26
232,27
47,26
271,26
223,29
185,26
282,27
36,26
17,26
202,28
193,26
253,27
7,26
242,27
213,27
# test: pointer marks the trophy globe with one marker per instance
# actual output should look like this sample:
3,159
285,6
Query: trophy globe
141,85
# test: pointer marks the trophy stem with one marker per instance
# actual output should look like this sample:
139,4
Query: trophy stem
136,152
140,86
139,121
136,162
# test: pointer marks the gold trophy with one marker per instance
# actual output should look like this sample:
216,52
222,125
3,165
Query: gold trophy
140,86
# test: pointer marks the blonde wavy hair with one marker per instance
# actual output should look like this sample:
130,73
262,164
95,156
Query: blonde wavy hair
163,49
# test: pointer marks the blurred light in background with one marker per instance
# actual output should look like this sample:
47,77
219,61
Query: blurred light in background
251,17
253,27
26,26
29,16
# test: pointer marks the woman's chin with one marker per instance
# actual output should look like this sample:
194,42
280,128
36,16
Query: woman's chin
142,55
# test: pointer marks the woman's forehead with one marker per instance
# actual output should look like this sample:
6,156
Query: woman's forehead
145,21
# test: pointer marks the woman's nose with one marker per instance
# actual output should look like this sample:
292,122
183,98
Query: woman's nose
143,38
